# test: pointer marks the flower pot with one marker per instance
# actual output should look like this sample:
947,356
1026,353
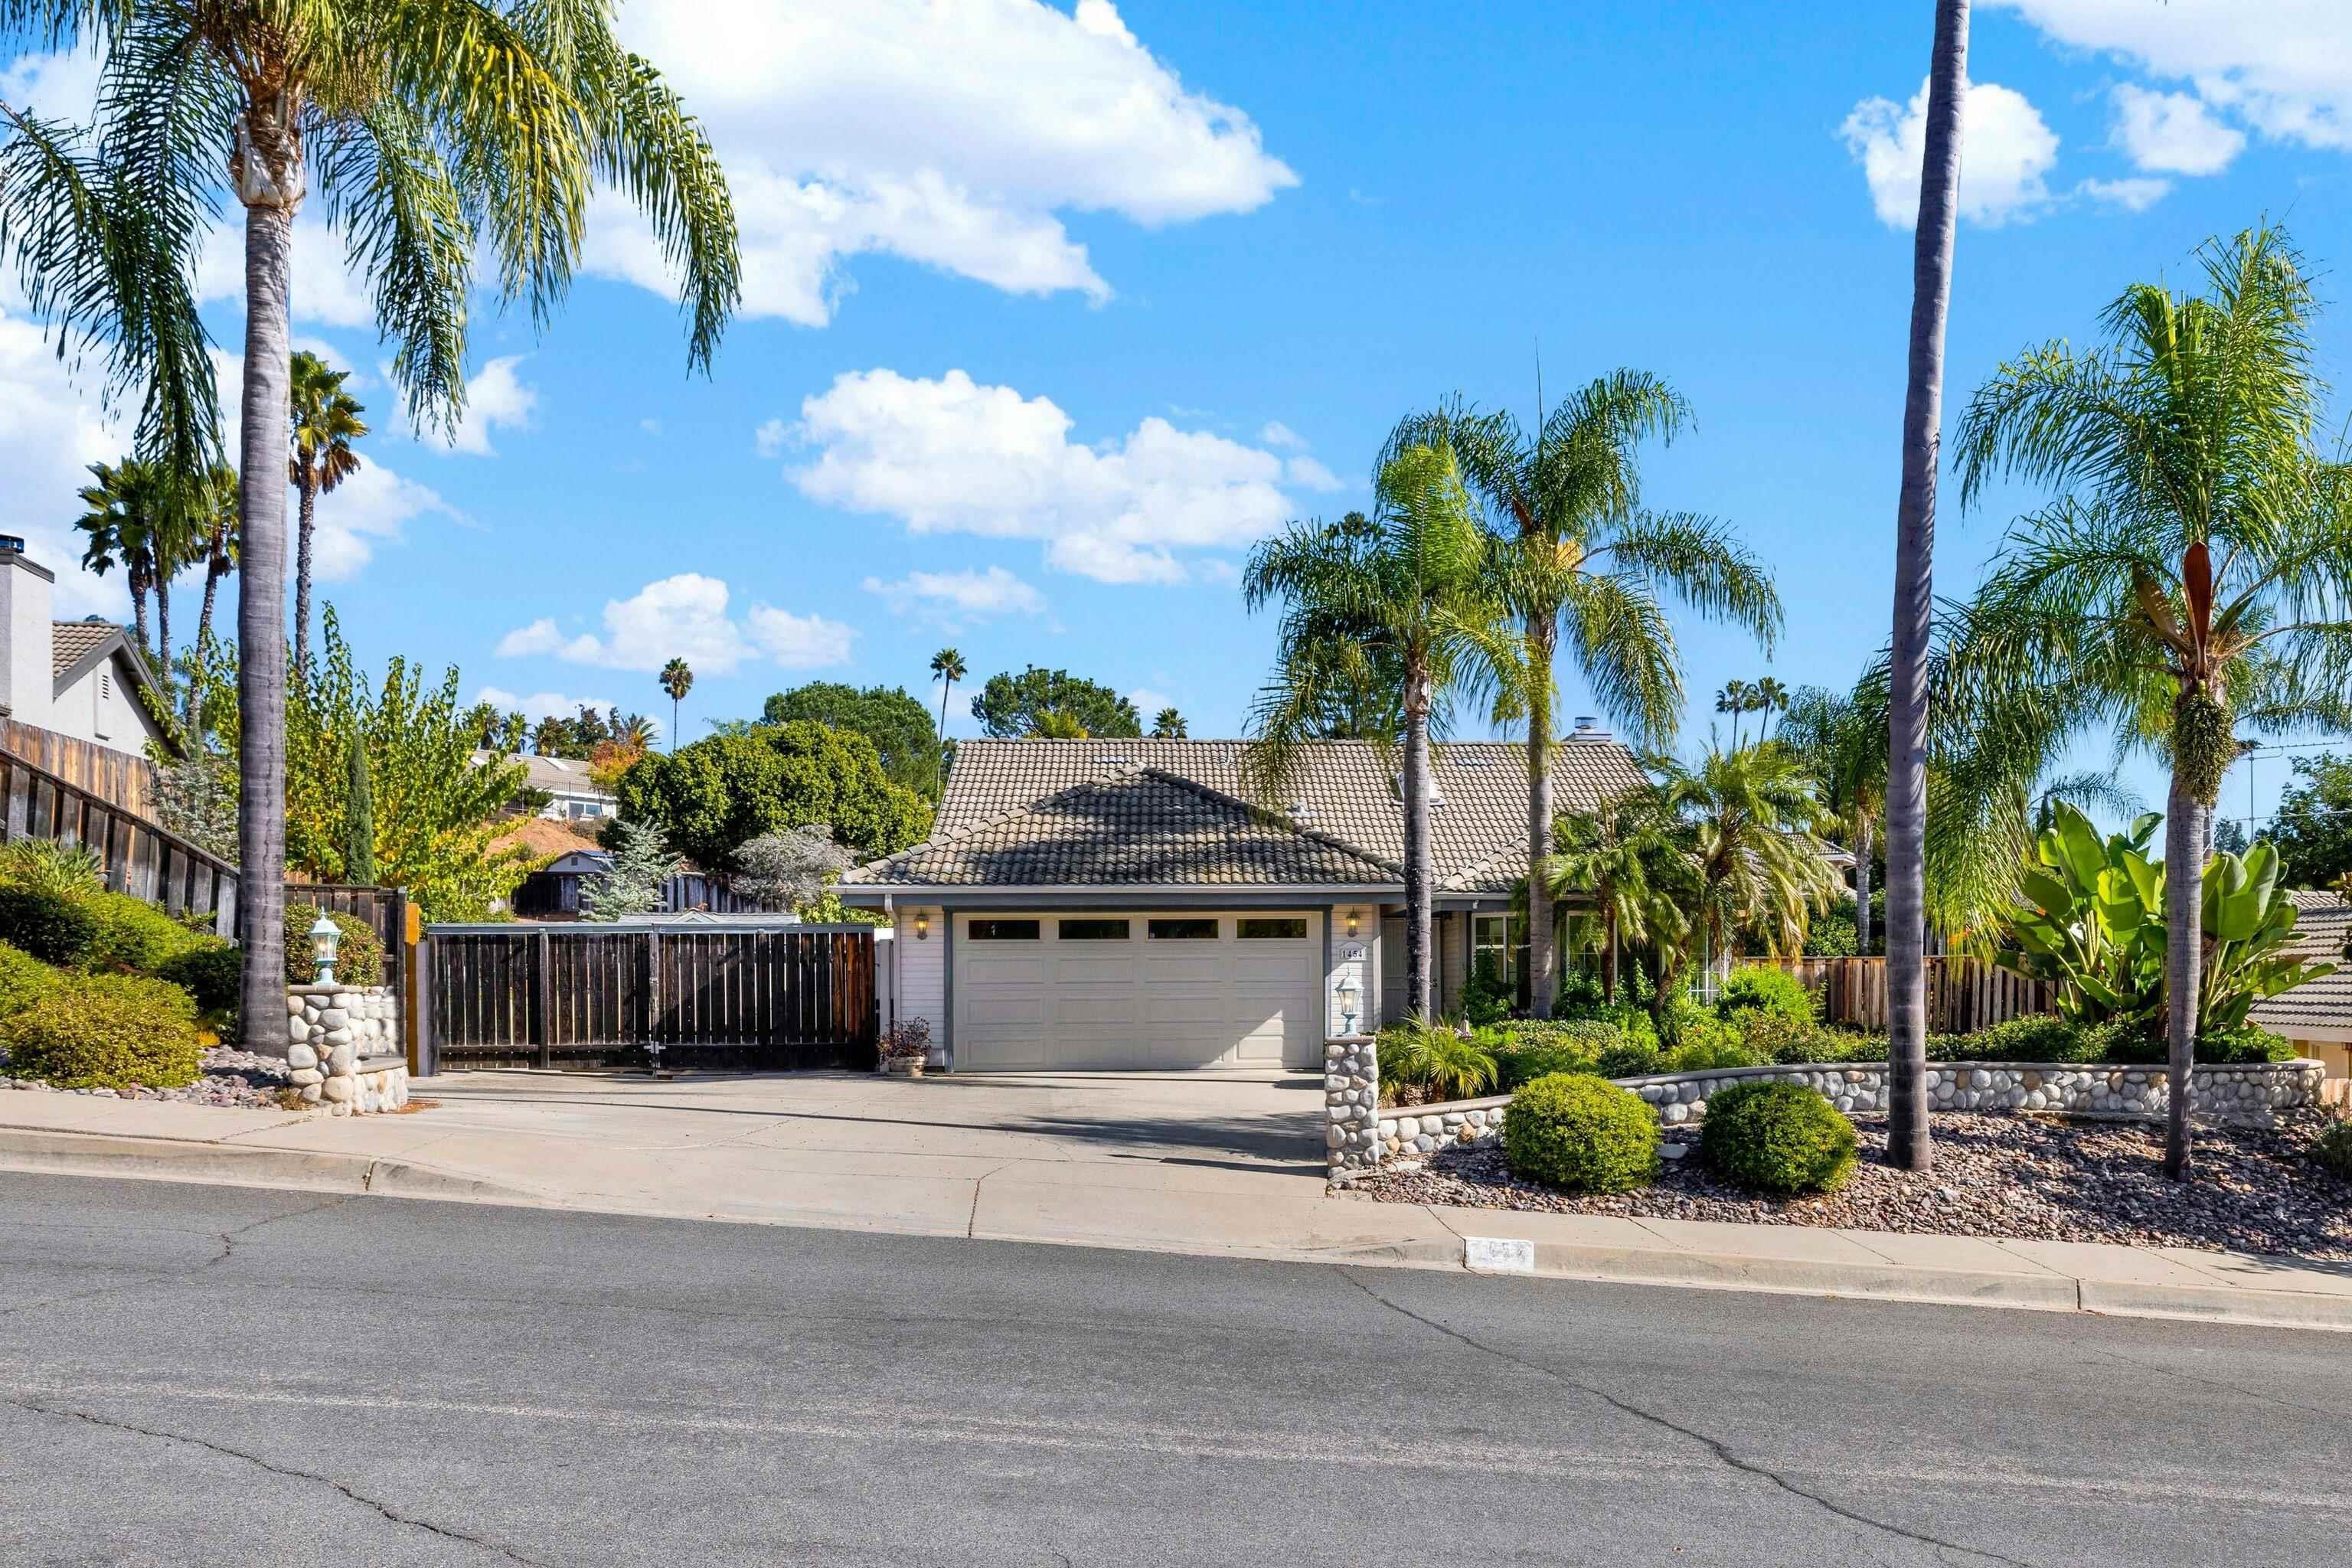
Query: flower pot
904,1066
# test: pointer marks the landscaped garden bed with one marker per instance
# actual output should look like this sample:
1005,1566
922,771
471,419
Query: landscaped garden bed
2000,1175
230,1077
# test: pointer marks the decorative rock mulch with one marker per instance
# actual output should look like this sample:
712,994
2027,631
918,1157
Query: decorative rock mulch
231,1077
2019,1177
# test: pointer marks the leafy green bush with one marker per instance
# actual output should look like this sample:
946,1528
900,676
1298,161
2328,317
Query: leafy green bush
1580,1132
358,961
1538,1048
2145,1047
1776,1038
135,936
52,927
1777,1138
105,1031
2041,1037
1766,988
23,979
1585,1034
212,975
1634,1058
2332,1148
1423,1060
46,866
1486,999
1709,1056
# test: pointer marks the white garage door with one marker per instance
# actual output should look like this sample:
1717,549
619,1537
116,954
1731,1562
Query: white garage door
1108,991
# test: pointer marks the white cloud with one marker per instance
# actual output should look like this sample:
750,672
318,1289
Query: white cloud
49,432
954,456
771,437
650,426
1149,702
1276,433
539,704
686,616
2132,194
2173,132
323,290
2283,66
994,592
948,134
496,398
2006,150
1309,474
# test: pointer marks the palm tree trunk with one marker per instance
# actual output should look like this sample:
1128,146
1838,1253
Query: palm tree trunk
139,611
940,755
1542,957
163,625
2184,946
215,569
1862,885
308,489
261,599
1417,864
1609,983
1909,1144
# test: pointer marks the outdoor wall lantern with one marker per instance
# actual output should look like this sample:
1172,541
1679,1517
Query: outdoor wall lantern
1347,996
1355,922
324,939
922,925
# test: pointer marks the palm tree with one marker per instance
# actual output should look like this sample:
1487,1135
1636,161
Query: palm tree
946,669
1587,564
2201,579
435,132
1767,697
1418,584
1167,725
121,519
1736,698
326,421
1840,740
1753,818
1603,859
1909,1144
217,538
676,678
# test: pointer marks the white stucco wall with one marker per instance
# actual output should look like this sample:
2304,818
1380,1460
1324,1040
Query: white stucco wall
101,708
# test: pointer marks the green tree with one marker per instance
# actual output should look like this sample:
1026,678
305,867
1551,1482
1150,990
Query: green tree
2196,572
326,421
632,886
214,541
677,679
900,726
1008,706
946,669
1421,582
1587,564
2313,825
1752,817
435,134
1167,725
359,818
1839,739
1609,862
1054,724
123,520
714,796
1736,698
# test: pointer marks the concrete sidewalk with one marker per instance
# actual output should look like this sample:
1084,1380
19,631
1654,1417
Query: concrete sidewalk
1188,1166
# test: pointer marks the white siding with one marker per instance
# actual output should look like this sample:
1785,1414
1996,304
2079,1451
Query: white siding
1393,989
1355,959
100,707
920,970
1453,959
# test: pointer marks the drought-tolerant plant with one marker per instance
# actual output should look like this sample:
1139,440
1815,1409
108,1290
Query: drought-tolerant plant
1582,1133
1633,1058
52,927
792,870
1766,988
46,866
208,975
1538,1048
359,956
2332,1148
1777,1138
1709,1055
1425,1060
105,1031
633,885
133,936
22,978
1485,998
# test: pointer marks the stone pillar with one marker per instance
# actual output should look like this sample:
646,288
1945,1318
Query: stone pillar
341,1051
1352,1107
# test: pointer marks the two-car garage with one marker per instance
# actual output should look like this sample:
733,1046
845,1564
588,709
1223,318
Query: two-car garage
1142,990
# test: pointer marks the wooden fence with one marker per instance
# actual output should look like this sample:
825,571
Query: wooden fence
116,778
559,896
1964,995
769,998
141,858
385,909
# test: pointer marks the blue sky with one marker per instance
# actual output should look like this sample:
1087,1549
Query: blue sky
1051,313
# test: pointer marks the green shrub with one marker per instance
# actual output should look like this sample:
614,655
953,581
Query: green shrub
1591,1035
52,927
23,979
46,866
1774,1037
2332,1148
1634,1058
212,975
1538,1048
105,1031
1580,1132
2042,1038
1709,1056
1777,1138
1427,1059
2146,1046
133,935
358,961
1486,999
1766,988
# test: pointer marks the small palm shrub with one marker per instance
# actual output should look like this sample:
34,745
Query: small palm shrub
53,926
23,979
46,866
134,936
2332,1148
105,1031
358,959
1422,1059
1582,1133
1766,988
211,975
1777,1138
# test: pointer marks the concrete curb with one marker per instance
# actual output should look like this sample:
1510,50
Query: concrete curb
173,1160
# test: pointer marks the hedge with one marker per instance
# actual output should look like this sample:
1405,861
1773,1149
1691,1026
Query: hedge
359,960
1777,1138
1582,1133
52,927
105,1031
135,936
24,979
212,975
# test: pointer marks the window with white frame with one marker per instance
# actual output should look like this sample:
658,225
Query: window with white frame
1500,940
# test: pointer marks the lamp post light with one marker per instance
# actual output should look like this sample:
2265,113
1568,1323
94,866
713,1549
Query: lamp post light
325,938
1347,994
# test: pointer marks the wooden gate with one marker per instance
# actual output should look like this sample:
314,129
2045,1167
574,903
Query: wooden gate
1964,995
765,998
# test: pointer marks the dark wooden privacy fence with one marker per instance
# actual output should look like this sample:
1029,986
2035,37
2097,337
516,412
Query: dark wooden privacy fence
768,999
1964,995
141,858
559,896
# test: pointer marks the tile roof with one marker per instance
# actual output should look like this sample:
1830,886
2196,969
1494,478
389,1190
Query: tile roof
2322,922
70,642
1138,812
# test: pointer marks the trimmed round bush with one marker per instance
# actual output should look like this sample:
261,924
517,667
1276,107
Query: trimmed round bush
212,975
2332,1148
24,979
133,935
52,927
105,1031
1580,1132
1777,1138
359,960
1766,988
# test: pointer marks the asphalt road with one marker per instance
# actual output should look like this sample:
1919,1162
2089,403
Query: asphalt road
199,1376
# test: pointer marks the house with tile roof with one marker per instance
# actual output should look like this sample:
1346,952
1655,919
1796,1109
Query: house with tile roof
81,680
2317,1015
1129,904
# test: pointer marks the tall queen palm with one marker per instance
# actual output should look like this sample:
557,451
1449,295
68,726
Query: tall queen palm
433,130
320,458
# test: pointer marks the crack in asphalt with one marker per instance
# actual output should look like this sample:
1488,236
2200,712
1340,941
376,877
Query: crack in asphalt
971,1220
384,1509
1721,1450
227,1238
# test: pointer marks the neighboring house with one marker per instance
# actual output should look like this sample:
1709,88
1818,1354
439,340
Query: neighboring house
1107,904
555,891
2317,1014
76,678
576,797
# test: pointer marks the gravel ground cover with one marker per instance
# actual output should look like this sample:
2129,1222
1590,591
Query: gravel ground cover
231,1077
2021,1177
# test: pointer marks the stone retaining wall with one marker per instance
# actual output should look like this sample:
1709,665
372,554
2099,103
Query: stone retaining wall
341,1053
2250,1092
1352,1107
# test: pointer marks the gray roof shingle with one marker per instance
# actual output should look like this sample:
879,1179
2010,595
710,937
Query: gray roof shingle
2322,922
70,642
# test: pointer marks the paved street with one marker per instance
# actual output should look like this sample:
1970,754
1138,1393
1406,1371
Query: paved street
194,1376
